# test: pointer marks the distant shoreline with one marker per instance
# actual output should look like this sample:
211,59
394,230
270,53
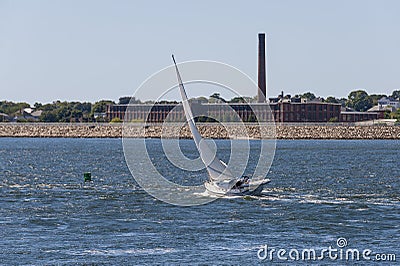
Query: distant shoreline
232,131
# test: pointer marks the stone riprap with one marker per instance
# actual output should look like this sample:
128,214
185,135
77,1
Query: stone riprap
326,131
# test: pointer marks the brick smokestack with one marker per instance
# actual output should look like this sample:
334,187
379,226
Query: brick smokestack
262,84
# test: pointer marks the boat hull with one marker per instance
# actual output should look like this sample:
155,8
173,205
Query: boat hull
242,191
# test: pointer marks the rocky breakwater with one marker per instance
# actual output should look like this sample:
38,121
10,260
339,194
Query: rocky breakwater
338,132
34,130
232,131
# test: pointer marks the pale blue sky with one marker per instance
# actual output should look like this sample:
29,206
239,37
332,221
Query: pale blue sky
92,50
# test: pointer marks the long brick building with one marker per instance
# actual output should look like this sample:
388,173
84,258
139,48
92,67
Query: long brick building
292,112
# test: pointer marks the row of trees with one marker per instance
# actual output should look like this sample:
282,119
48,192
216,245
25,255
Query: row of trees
358,100
7,107
58,111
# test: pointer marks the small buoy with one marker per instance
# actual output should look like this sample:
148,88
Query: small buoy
247,197
87,177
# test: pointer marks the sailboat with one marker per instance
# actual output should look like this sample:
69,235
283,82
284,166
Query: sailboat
221,180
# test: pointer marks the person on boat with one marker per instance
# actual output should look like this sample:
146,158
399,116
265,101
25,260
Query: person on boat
238,184
241,182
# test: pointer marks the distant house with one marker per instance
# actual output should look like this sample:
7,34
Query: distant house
37,114
388,101
28,114
4,117
378,108
99,115
28,110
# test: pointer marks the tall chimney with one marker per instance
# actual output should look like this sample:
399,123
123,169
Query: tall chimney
262,86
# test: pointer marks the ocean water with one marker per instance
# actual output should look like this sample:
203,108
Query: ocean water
320,191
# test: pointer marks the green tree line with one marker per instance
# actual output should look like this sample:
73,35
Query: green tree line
58,111
359,100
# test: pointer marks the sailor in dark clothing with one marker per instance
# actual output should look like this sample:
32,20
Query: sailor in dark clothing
240,182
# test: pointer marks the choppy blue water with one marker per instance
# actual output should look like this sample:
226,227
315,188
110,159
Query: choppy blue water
320,191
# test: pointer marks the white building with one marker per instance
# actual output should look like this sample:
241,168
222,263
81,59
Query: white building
388,102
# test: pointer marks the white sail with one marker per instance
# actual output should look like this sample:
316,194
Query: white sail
217,169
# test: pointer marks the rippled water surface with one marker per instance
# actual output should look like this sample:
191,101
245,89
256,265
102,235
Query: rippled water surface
319,191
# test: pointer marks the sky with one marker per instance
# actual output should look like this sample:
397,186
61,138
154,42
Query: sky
91,49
